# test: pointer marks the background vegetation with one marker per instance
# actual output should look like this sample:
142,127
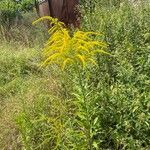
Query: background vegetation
44,108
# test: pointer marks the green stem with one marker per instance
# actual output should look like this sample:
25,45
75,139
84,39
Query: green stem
88,134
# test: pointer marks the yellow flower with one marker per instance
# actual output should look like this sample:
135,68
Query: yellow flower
63,49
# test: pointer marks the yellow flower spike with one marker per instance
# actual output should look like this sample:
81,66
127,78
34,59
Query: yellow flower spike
44,18
68,60
82,60
45,63
93,33
53,57
83,42
52,30
82,48
63,48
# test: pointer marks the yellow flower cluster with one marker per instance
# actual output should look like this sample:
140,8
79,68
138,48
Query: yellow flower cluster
62,48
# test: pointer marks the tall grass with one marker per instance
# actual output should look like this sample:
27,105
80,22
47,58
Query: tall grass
23,32
22,85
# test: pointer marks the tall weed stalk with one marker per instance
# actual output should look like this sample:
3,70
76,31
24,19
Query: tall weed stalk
75,50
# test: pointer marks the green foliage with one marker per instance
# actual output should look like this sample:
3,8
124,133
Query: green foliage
18,76
123,81
91,5
7,11
25,33
10,10
26,5
104,107
15,65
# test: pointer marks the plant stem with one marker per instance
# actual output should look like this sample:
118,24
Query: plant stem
88,134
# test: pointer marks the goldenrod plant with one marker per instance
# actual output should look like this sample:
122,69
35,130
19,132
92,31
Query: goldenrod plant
78,49
63,49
